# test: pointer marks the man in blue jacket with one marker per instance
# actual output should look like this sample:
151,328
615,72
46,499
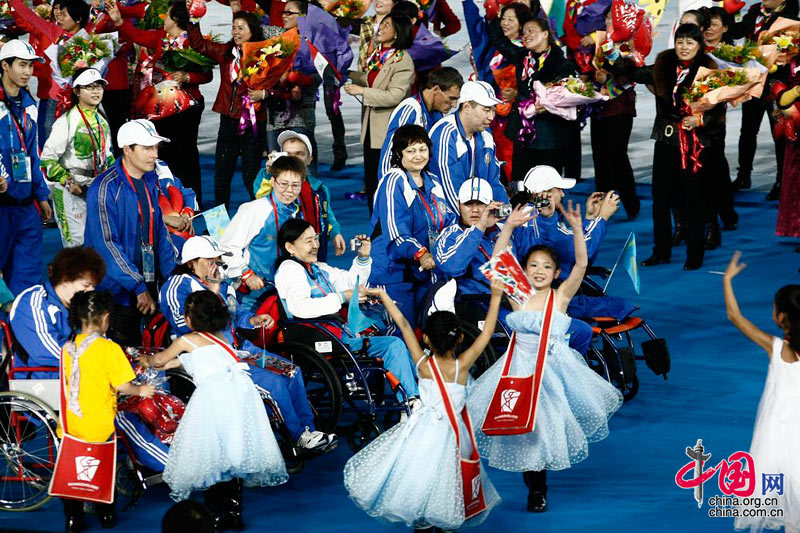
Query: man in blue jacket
463,147
125,225
462,248
20,172
439,97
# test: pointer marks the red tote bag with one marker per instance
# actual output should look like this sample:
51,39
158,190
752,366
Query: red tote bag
472,487
84,470
512,410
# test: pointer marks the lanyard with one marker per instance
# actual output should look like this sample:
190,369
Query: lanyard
314,280
277,220
437,221
488,257
139,205
15,121
96,161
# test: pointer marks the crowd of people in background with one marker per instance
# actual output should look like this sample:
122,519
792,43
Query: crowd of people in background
458,166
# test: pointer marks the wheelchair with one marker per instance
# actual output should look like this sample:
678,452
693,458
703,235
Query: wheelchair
29,440
347,388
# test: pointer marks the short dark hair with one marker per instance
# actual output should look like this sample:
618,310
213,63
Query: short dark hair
693,32
301,4
74,263
402,28
409,9
288,163
253,22
78,10
179,13
702,17
717,12
521,11
445,78
206,312
405,136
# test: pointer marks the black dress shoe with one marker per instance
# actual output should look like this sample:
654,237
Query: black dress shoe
654,260
338,162
730,226
741,182
74,524
233,521
108,520
774,193
692,265
537,502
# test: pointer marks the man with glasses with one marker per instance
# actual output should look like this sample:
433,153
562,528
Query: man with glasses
252,236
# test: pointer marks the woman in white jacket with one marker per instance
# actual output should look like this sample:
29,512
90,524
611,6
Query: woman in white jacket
78,149
311,289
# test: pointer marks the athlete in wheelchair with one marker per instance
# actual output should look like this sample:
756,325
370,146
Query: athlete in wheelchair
202,268
312,293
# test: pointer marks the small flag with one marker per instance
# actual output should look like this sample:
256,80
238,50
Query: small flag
321,62
627,260
356,318
217,220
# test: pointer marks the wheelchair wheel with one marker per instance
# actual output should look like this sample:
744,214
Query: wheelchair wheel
361,433
322,384
487,358
28,451
180,384
629,388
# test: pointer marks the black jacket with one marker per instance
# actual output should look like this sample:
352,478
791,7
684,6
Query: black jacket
552,132
669,112
747,26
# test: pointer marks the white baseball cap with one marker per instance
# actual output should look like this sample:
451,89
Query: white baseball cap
201,246
289,134
88,77
20,50
543,178
479,92
475,189
139,131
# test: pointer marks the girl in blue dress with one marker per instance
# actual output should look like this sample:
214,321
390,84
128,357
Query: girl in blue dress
574,403
412,473
224,437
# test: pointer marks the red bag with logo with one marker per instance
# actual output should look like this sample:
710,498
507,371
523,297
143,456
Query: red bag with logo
512,410
472,487
84,470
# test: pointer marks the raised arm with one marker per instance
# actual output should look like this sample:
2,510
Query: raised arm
471,354
750,330
408,333
517,218
568,289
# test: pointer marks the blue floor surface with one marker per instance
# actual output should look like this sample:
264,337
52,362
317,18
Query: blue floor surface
627,483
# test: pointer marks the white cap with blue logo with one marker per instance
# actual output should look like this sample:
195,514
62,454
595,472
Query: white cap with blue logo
475,189
19,50
139,131
479,92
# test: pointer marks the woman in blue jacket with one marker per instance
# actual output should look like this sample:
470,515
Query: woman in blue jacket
409,214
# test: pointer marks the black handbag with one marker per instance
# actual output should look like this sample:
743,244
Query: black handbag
656,355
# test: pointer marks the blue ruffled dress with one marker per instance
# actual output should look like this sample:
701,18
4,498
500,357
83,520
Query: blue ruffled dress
575,403
412,474
225,431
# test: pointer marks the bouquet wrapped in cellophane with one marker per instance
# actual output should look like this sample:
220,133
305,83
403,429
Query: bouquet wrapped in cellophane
80,51
749,54
785,35
732,85
564,97
265,62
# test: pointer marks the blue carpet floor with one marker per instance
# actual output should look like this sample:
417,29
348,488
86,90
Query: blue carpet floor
627,483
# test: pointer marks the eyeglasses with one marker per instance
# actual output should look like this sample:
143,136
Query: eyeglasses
290,13
94,87
290,186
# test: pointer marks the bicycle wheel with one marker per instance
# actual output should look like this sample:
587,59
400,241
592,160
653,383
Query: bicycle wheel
28,451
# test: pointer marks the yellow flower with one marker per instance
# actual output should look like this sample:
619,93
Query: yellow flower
783,41
270,50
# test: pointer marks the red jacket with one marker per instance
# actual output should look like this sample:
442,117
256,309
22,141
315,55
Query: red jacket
152,39
44,33
229,96
444,21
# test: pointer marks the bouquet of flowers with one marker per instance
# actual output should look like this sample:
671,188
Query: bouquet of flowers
80,51
739,54
186,59
732,85
785,35
154,14
265,62
349,9
563,97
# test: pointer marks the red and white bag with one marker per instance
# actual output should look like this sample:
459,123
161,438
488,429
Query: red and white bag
84,470
512,410
474,500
